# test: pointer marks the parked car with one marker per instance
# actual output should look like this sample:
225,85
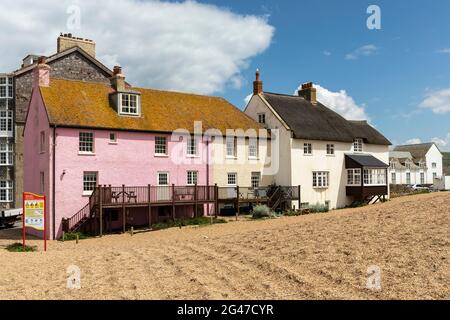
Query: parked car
9,217
419,187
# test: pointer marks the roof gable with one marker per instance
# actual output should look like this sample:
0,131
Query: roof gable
418,151
317,122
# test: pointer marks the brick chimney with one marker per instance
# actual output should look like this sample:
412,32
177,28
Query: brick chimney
257,84
68,41
41,74
118,79
308,92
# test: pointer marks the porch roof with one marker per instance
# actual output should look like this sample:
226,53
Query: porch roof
363,161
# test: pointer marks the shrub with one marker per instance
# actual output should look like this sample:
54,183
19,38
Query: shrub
186,222
18,247
72,236
261,211
318,208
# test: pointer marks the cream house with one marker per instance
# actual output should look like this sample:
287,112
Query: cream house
335,161
415,164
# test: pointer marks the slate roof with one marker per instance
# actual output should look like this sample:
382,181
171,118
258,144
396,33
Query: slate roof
418,151
364,160
317,122
86,104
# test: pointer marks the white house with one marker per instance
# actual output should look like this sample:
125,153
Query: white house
334,160
415,164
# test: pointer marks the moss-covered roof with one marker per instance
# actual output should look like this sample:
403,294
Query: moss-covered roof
87,104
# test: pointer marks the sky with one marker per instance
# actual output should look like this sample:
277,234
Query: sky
396,77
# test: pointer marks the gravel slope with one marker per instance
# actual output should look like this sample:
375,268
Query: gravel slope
322,256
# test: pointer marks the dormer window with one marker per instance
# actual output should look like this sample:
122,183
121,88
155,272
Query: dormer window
358,145
129,104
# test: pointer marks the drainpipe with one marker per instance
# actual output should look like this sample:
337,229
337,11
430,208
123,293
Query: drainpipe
207,162
54,182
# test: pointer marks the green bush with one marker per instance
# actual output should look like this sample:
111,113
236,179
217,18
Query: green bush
261,212
318,208
72,236
187,222
18,247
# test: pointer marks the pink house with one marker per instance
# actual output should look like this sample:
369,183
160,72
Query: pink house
82,135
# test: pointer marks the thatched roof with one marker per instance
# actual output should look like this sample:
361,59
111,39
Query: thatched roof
317,122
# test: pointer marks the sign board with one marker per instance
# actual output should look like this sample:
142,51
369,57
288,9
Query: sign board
34,214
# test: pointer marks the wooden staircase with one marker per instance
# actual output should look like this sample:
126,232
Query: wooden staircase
82,218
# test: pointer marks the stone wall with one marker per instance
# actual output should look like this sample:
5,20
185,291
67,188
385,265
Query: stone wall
72,67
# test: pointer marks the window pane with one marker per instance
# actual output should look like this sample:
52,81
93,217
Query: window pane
86,143
160,145
89,181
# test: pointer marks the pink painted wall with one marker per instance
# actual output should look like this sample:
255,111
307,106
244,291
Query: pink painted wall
131,162
36,161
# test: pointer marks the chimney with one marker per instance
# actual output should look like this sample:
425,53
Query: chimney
118,79
308,92
257,84
41,74
68,41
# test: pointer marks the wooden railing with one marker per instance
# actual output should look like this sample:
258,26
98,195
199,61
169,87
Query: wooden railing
74,222
156,194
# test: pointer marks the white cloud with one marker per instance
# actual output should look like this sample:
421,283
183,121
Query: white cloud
438,101
326,53
364,51
413,141
445,50
185,46
247,98
341,103
442,143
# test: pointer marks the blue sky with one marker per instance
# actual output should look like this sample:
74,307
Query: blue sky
398,76
391,83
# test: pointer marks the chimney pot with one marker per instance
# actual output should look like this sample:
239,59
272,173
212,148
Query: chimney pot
308,92
118,79
257,84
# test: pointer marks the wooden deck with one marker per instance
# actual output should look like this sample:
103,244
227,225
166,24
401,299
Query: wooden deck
109,197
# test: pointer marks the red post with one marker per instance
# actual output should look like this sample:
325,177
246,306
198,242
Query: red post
23,220
45,223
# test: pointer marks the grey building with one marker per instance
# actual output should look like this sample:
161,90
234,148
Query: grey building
74,60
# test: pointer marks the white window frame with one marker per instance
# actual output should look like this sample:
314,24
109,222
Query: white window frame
233,176
130,108
307,149
6,191
358,145
86,139
253,148
114,140
321,179
161,173
422,178
374,177
354,177
394,178
159,146
192,147
255,180
6,154
6,123
191,178
433,165
330,149
231,146
408,178
6,88
90,181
